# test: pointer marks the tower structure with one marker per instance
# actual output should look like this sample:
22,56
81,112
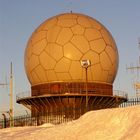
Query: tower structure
53,59
137,69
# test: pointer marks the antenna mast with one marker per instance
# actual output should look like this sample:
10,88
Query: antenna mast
11,96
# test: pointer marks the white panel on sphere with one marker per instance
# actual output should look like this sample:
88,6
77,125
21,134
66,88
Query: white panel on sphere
39,47
66,22
47,62
63,76
35,77
83,21
92,34
33,62
40,71
95,24
111,53
63,65
51,75
49,24
78,29
96,72
54,50
68,16
71,52
64,36
105,61
28,51
53,33
92,56
76,70
81,43
98,45
38,36
106,36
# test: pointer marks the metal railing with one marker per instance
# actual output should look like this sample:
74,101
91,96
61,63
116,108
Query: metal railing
131,102
77,91
120,93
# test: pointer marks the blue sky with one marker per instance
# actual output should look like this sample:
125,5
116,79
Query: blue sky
19,18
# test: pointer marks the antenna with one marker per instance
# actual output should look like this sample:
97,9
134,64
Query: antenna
139,42
137,69
69,6
4,84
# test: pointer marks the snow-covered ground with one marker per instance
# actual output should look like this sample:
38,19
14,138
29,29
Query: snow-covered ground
108,124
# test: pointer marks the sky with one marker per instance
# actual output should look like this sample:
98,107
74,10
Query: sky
19,18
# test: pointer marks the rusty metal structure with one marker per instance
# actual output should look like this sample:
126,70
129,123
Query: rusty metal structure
69,96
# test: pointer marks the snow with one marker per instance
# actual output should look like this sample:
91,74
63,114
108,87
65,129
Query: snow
108,124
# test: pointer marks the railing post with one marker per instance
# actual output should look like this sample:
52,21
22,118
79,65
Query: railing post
4,122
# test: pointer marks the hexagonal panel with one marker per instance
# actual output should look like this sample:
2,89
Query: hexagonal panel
30,78
51,76
81,43
112,54
113,44
63,65
76,70
54,50
110,78
95,24
105,61
46,61
39,70
92,56
33,62
67,16
66,22
77,29
96,72
98,45
64,36
53,33
71,52
49,24
104,76
82,20
37,36
39,46
35,77
112,73
112,69
63,76
107,36
92,34
28,50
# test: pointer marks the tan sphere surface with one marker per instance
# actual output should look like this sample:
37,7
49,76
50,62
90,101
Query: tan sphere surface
57,46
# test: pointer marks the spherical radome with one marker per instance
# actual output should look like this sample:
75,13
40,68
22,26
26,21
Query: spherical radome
57,46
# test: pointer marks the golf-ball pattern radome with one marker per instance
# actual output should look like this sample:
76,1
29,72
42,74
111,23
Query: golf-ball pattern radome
57,46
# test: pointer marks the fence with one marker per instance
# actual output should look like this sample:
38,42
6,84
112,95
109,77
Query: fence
56,117
131,102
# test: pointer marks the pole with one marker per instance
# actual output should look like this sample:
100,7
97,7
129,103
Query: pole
86,90
85,64
11,97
